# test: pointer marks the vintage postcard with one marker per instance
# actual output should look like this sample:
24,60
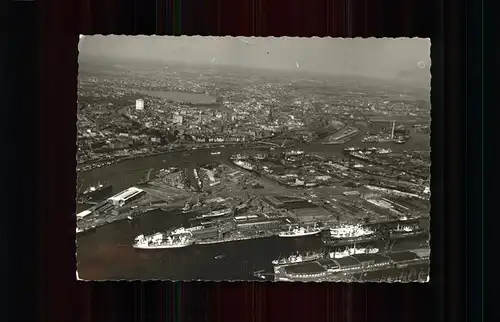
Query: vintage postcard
237,159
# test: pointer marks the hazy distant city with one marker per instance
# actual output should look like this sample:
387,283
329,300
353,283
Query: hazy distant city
284,159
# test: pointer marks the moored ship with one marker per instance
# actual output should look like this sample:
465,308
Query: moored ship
349,241
195,228
298,258
384,151
186,208
294,153
402,231
176,239
97,191
216,213
300,232
350,232
349,251
377,139
231,237
243,164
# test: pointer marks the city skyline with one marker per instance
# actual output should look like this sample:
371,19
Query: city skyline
373,57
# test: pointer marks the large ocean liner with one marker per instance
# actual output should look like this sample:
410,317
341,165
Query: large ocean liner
177,238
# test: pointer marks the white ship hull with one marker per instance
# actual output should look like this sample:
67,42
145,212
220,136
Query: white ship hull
348,232
216,214
294,153
290,262
243,165
161,246
353,252
286,234
177,238
340,237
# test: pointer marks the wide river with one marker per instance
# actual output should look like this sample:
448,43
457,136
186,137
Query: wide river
106,253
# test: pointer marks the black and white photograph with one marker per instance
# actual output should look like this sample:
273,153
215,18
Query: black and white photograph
253,159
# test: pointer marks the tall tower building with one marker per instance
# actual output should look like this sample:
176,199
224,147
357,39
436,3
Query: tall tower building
139,104
270,115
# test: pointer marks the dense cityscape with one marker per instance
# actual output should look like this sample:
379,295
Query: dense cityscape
214,172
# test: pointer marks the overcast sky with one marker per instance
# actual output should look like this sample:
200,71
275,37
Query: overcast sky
369,57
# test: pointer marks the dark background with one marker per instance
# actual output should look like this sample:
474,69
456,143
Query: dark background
39,69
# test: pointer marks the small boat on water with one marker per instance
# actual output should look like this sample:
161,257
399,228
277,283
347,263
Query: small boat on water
259,274
220,256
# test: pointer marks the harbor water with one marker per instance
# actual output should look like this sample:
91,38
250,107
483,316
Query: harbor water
106,253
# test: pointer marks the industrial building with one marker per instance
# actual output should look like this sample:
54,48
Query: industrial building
273,201
258,223
380,203
306,270
126,196
350,264
245,218
102,206
207,232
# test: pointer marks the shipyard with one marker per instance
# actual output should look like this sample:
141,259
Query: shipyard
290,181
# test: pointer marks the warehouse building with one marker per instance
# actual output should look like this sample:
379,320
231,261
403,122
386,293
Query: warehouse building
126,196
